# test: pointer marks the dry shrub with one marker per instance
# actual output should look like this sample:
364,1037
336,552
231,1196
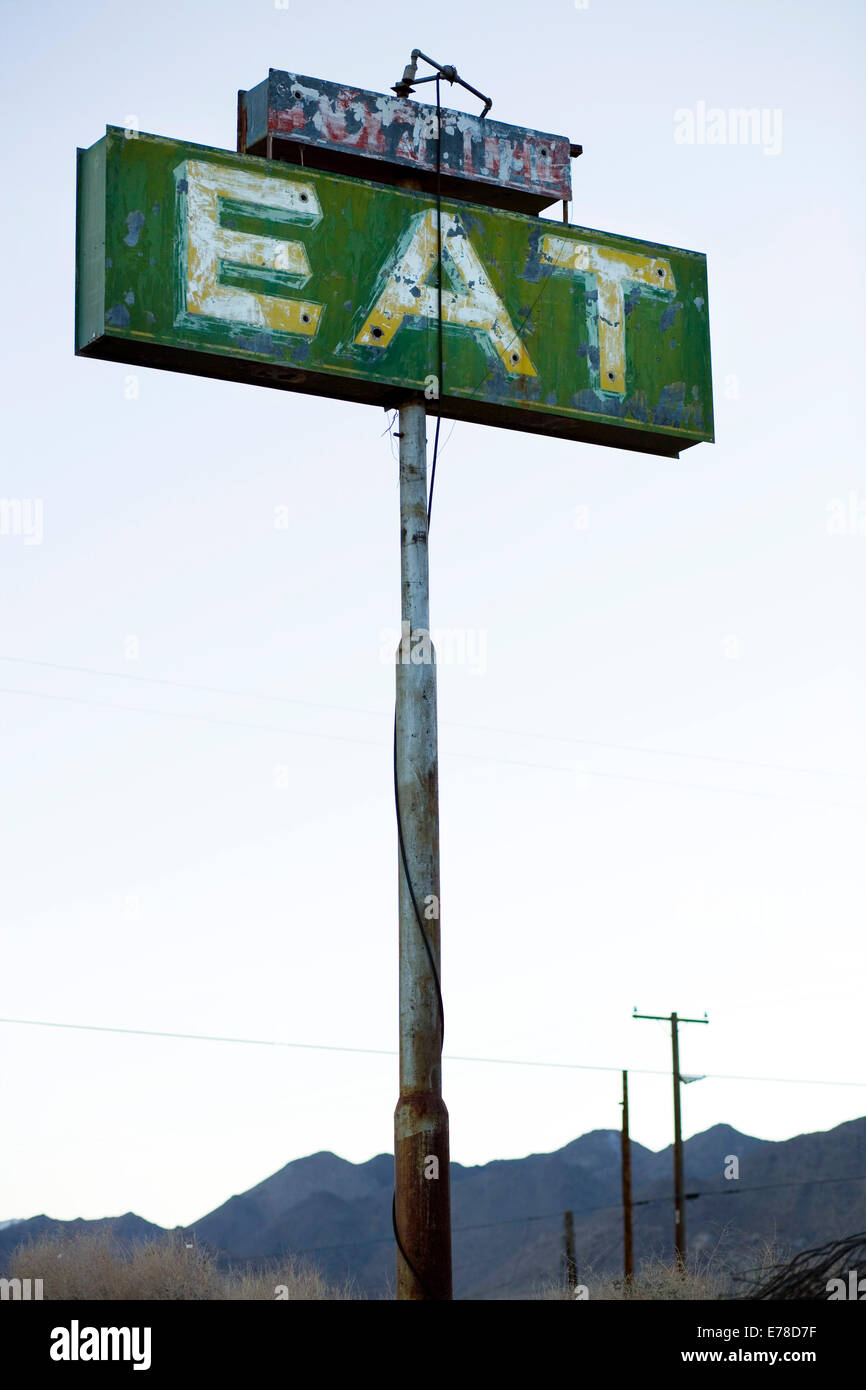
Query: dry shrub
658,1281
97,1267
654,1282
301,1282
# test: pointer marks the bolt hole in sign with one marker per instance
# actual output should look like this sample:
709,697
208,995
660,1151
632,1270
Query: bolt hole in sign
234,266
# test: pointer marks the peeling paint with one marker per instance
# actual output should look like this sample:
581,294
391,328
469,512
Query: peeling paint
610,268
404,291
210,247
530,163
671,407
309,280
135,222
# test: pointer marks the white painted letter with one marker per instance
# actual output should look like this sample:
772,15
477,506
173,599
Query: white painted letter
403,292
210,253
610,269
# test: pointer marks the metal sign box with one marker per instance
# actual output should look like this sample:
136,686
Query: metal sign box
201,260
344,130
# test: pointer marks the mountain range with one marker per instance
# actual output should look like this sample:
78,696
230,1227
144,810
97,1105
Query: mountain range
507,1215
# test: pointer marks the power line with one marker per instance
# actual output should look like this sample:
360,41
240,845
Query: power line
587,1211
446,753
188,685
198,1037
452,723
194,718
767,1186
391,1052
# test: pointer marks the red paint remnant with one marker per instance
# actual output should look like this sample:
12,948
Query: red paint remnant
533,167
287,122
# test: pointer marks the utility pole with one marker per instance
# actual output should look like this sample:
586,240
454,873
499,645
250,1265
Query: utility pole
628,1237
679,1179
422,1196
570,1257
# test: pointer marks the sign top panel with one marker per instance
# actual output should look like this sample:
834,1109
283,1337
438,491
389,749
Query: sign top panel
345,130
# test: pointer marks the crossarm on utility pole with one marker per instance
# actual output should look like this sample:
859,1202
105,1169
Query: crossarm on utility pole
679,1178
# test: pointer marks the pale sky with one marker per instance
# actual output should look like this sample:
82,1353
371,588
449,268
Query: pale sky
653,785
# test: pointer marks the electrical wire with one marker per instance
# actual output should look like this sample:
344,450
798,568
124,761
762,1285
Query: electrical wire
542,1216
445,753
404,861
403,858
585,1211
518,332
391,1052
440,384
449,723
424,937
415,1272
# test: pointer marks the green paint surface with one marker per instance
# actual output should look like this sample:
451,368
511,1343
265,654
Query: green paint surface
131,288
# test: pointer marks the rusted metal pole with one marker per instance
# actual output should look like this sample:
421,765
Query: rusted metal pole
627,1231
570,1257
679,1180
422,1193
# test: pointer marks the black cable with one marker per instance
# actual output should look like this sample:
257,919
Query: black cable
403,859
402,1249
440,350
424,937
518,333
418,918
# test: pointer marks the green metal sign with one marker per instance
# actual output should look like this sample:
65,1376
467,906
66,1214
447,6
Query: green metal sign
199,260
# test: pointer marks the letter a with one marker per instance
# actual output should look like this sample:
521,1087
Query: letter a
403,293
